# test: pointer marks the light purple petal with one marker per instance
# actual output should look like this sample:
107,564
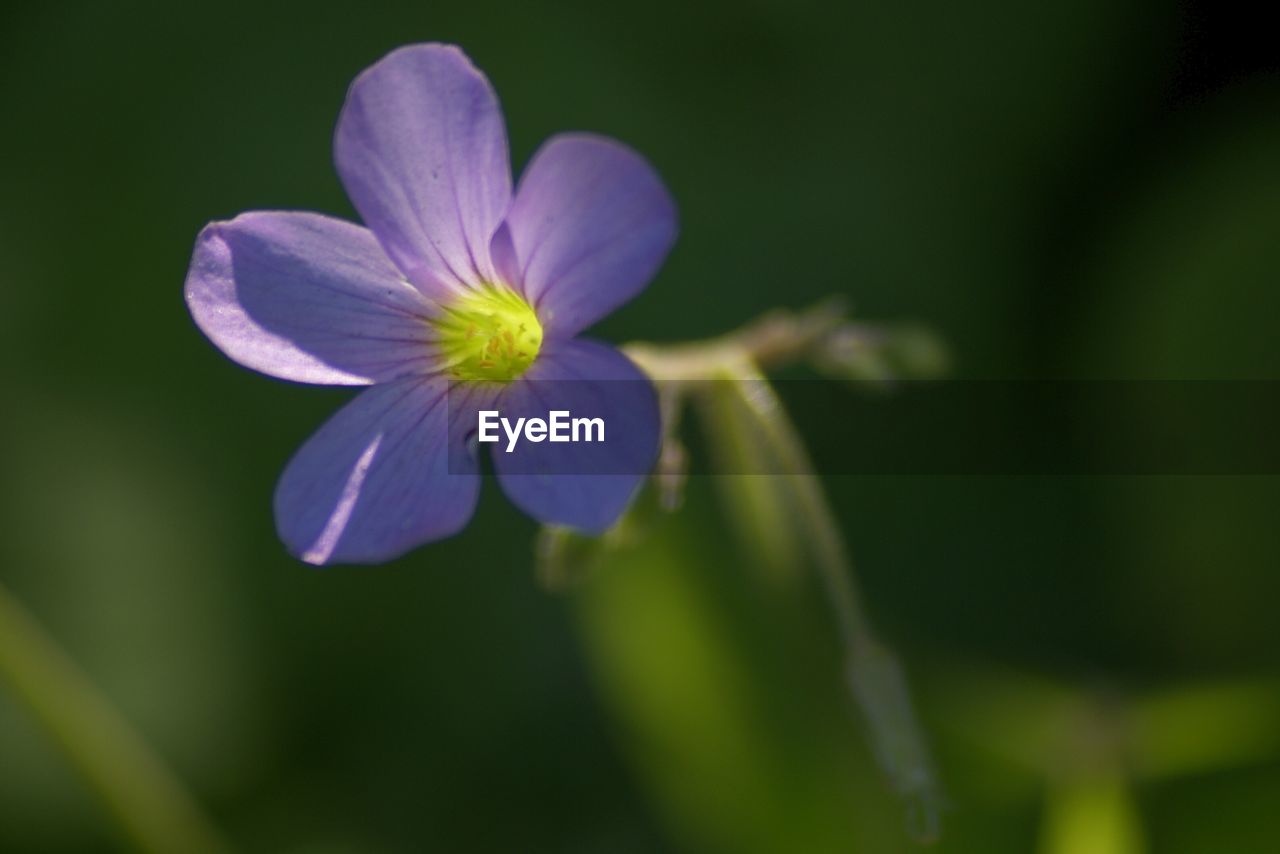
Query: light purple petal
581,485
378,479
305,297
589,227
422,151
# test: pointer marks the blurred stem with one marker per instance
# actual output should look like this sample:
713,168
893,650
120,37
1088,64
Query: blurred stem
830,556
877,681
737,359
1094,814
150,805
874,673
778,338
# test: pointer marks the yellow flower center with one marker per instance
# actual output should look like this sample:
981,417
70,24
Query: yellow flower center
490,334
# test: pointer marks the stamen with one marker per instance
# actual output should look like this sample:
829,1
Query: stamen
489,334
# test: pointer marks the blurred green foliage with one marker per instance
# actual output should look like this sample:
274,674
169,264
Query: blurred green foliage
1019,177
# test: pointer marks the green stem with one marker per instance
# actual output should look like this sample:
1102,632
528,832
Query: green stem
732,363
874,673
835,567
145,799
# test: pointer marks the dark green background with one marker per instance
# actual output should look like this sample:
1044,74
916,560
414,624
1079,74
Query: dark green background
1085,189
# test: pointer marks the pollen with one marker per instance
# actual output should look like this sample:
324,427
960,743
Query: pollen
490,334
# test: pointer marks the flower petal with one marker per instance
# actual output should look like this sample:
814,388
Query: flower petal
578,484
590,226
422,151
378,479
305,297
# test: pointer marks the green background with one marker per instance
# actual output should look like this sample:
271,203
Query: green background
1083,189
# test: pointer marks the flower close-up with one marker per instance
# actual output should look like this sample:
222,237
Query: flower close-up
457,293
922,498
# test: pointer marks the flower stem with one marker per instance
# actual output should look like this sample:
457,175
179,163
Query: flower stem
875,675
775,339
734,363
147,802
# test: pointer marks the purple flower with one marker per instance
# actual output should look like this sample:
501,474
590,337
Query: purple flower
454,281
